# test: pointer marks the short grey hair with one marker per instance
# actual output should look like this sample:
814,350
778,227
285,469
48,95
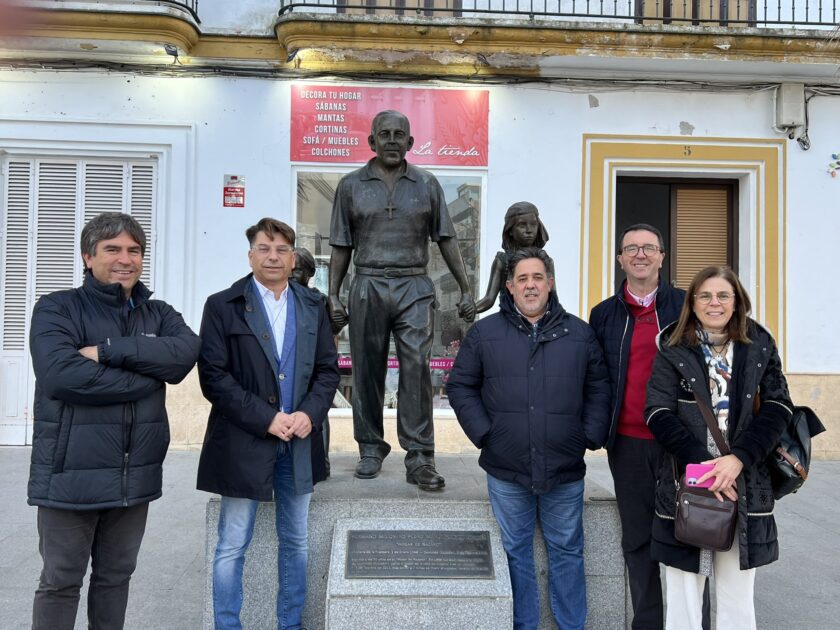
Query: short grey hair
530,252
110,225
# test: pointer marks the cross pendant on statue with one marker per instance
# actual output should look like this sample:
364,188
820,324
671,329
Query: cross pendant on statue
390,208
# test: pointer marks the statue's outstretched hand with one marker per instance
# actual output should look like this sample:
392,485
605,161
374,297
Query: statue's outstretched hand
338,314
466,308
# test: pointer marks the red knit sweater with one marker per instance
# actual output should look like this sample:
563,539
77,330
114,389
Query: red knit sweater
631,420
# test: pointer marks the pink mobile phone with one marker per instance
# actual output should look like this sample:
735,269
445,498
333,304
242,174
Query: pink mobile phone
693,472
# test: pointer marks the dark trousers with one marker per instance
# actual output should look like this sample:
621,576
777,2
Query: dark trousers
634,463
404,307
67,539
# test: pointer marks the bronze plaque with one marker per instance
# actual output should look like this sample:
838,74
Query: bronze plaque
426,554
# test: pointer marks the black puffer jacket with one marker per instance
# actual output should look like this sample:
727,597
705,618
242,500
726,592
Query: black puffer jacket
675,420
613,327
101,430
532,402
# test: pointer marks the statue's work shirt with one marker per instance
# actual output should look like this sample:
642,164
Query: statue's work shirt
389,230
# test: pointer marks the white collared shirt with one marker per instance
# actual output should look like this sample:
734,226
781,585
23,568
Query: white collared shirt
646,300
276,311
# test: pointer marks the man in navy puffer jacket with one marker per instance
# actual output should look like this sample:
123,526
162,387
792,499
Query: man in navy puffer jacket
102,354
531,390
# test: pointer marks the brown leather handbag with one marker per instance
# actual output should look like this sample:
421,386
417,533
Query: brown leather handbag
702,520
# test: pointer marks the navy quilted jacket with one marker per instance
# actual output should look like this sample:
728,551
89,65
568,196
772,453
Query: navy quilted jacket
532,400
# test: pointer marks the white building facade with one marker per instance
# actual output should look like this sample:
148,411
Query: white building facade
599,123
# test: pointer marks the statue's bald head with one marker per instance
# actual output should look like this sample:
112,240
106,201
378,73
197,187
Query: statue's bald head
390,138
387,114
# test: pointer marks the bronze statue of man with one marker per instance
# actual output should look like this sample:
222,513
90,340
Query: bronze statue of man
384,215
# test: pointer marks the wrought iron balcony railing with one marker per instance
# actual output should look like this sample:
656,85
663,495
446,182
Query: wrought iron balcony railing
190,6
819,14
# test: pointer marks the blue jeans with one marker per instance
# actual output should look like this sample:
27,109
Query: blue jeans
561,517
236,526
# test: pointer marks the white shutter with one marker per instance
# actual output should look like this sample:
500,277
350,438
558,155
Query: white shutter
46,202
102,191
15,248
103,188
56,246
141,206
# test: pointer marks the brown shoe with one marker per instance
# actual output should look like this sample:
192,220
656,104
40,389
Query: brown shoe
368,468
425,478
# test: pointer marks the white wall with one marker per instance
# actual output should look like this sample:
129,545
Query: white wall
243,17
241,126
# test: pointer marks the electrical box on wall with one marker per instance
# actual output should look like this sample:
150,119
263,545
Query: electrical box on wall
790,105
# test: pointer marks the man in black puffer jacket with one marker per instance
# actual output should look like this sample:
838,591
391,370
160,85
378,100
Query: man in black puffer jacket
530,389
101,354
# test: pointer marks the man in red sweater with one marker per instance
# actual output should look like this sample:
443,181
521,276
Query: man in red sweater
626,325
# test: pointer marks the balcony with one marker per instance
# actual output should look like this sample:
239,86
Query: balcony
744,13
133,31
754,41
757,41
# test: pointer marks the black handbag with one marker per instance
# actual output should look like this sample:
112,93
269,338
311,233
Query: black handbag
790,461
701,520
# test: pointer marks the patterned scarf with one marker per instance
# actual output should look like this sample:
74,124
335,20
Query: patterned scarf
719,366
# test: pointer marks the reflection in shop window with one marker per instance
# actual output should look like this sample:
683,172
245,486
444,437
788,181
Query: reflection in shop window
315,193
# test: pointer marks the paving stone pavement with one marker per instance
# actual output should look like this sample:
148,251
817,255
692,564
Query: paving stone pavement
801,591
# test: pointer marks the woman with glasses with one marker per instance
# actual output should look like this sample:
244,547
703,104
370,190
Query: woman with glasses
717,350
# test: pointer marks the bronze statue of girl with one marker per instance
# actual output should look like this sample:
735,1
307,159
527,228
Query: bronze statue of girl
523,228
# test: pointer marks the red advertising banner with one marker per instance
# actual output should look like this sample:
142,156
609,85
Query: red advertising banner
331,123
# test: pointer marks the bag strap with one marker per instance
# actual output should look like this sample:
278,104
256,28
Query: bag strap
712,424
677,478
799,468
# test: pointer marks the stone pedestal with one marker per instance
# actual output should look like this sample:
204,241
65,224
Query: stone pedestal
390,497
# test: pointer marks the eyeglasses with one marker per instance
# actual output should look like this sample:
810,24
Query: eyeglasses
724,297
632,250
280,250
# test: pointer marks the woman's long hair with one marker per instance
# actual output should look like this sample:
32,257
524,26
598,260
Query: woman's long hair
686,328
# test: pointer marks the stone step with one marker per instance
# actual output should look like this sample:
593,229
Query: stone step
390,497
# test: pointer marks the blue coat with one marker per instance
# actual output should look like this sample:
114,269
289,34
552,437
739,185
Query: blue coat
532,403
236,369
101,430
613,327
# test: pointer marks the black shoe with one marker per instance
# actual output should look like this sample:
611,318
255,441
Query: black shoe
425,478
368,468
